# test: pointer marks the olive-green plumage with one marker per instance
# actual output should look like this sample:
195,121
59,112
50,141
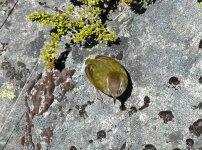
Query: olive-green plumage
106,74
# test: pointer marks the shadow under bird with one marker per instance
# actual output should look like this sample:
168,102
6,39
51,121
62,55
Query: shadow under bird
106,74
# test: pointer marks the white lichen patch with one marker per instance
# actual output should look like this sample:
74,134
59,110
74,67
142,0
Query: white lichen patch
7,91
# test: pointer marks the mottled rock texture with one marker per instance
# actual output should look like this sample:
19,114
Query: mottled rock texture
161,50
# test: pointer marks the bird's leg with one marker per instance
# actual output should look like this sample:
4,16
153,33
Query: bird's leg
114,100
99,97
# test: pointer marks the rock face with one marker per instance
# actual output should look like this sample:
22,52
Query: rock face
161,52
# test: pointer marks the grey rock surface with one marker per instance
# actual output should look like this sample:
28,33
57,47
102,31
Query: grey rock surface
160,52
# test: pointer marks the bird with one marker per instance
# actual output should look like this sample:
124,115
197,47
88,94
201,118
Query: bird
106,74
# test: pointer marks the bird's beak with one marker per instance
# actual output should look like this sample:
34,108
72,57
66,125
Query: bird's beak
114,99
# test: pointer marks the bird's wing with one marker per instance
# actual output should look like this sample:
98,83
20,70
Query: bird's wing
89,73
95,76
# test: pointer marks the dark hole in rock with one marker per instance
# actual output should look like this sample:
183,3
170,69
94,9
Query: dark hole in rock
90,141
200,80
200,43
166,116
149,147
133,110
101,134
196,128
73,148
176,149
174,81
119,56
189,142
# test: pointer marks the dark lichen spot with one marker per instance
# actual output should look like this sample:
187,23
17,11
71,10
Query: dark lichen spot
77,107
69,110
5,65
196,128
19,76
189,142
90,141
119,56
200,43
176,149
149,147
73,148
123,147
174,81
90,102
175,136
25,72
166,116
146,100
21,64
10,73
3,47
42,3
199,106
82,111
133,110
200,80
60,107
101,134
146,103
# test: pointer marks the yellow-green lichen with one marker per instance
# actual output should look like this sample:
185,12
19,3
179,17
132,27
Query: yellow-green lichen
200,4
7,91
78,26
131,2
82,24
